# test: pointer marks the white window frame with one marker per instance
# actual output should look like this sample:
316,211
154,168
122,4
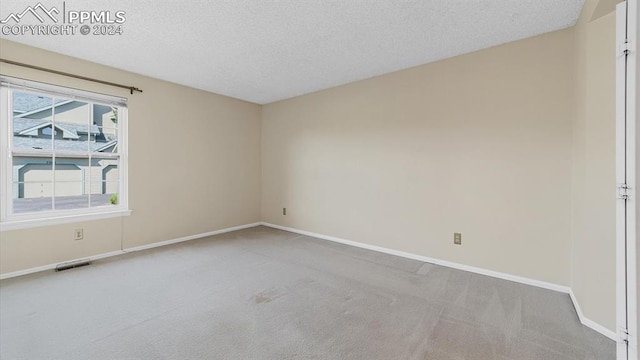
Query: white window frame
10,221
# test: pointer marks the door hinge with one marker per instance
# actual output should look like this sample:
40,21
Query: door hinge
624,48
623,191
624,335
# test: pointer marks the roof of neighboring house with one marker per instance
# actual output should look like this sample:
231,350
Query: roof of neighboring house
33,131
111,146
21,124
24,102
40,143
23,127
47,108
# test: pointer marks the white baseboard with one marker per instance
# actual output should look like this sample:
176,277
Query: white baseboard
496,274
128,250
191,237
590,323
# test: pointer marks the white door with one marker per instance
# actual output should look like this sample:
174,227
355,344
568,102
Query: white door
38,180
626,155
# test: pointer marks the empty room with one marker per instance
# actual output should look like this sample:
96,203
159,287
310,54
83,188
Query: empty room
262,179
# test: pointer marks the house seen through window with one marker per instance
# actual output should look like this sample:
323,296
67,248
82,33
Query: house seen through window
65,154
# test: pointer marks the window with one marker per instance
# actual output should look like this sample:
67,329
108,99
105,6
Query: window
63,154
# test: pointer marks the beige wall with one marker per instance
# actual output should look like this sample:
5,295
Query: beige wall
478,144
593,254
211,144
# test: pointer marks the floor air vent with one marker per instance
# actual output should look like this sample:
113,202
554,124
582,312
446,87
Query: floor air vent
72,265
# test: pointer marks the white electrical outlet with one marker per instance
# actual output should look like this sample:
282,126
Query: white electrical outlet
79,234
457,238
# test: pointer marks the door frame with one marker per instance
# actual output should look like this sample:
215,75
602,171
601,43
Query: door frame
626,174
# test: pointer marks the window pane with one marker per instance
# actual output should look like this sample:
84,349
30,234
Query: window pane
70,188
72,119
65,152
32,184
32,127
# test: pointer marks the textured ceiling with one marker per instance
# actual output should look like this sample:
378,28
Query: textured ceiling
267,50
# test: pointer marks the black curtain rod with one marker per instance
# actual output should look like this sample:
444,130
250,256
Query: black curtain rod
131,88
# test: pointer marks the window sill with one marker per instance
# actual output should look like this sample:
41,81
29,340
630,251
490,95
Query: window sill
17,224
